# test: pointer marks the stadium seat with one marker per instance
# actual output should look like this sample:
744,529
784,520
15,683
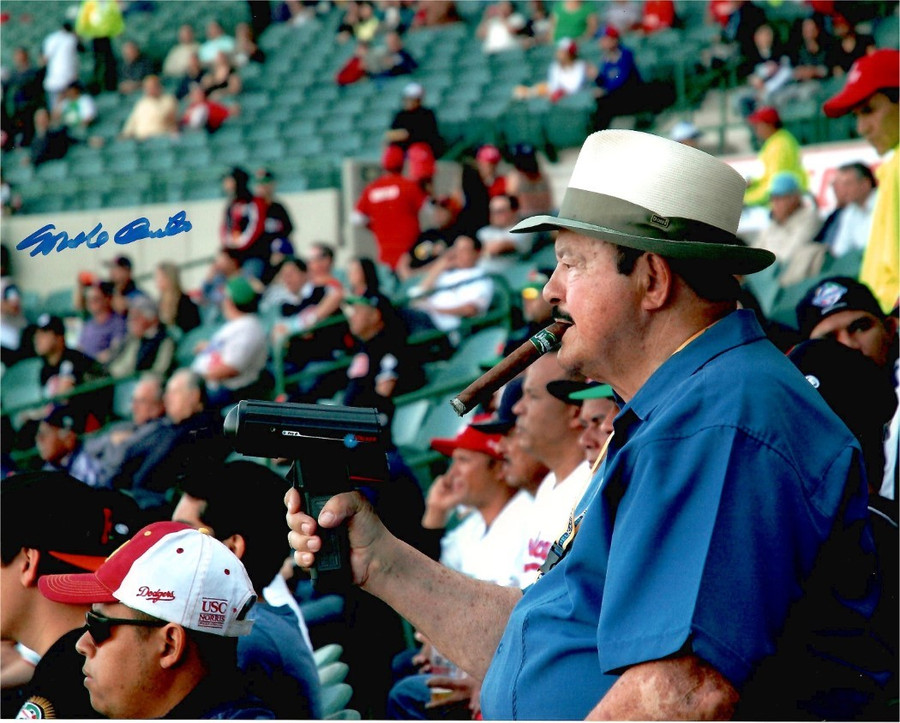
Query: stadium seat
335,697
327,654
333,673
407,421
22,384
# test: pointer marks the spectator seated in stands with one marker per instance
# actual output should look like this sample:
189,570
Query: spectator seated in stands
124,288
771,73
246,49
135,66
226,266
813,51
278,223
233,360
567,74
357,66
63,368
500,27
433,240
321,296
845,310
393,59
848,46
75,111
13,339
847,228
791,232
193,75
155,113
216,41
52,523
289,287
488,544
499,247
276,658
243,223
177,60
362,277
148,345
454,288
203,113
186,443
536,312
383,365
527,182
279,250
50,141
221,80
176,309
109,449
415,123
186,655
620,89
104,330
22,96
657,15
58,442
389,207
573,19
359,22
779,151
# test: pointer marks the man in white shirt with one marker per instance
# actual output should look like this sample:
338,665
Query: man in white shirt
549,430
457,287
499,247
857,185
235,357
59,53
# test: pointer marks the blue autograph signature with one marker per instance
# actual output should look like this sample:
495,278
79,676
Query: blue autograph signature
44,240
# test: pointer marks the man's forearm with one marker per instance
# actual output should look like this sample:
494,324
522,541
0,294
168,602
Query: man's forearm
682,688
463,617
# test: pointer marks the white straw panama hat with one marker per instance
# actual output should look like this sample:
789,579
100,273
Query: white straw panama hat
654,194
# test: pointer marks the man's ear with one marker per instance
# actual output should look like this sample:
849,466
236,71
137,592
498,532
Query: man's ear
28,571
237,544
658,279
174,645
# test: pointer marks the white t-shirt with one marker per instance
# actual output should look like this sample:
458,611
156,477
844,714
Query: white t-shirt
277,594
553,505
241,343
493,554
569,79
61,51
460,286
854,226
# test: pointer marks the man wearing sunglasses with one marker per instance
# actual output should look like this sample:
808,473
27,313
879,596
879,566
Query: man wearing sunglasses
52,523
160,641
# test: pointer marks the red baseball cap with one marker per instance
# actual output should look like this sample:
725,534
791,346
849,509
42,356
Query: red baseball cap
393,158
610,31
766,114
471,439
867,76
488,154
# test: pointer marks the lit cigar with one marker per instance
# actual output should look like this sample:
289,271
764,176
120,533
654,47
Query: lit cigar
545,340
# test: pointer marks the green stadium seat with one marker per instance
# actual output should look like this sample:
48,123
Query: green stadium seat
335,697
22,384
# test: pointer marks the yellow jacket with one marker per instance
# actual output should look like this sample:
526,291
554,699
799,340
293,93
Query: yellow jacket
779,152
880,269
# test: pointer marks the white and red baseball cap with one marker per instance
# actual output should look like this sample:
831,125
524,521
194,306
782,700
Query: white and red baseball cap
171,571
472,439
868,75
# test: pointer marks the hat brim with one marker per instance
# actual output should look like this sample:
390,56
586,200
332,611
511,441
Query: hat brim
498,427
563,388
735,259
595,391
75,589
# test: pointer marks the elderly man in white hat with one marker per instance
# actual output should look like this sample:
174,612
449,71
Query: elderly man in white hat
719,564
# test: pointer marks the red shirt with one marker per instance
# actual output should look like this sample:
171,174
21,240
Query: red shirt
392,203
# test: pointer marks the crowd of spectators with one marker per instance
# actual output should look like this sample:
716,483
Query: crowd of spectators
512,476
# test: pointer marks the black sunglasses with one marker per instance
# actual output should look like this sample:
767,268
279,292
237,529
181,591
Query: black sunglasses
100,626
